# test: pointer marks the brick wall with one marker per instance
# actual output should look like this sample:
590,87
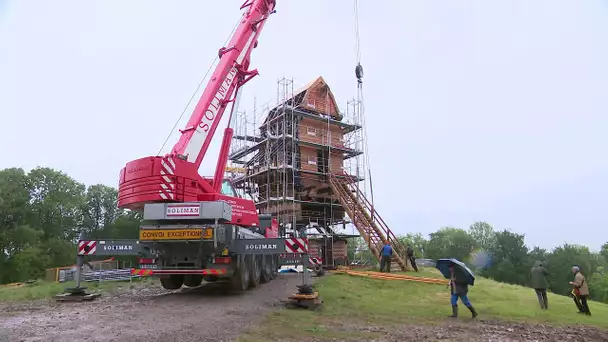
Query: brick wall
339,249
336,162
317,99
320,133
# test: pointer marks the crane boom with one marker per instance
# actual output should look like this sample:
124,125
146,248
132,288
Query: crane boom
175,177
230,73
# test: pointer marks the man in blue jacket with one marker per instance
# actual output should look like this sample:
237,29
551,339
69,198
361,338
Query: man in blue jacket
385,257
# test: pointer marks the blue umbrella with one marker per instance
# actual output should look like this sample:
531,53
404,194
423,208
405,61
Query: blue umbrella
443,265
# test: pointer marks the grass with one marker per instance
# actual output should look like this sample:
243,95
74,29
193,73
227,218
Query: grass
44,289
351,301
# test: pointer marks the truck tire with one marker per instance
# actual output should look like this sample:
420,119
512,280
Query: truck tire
172,282
240,280
193,280
266,269
256,270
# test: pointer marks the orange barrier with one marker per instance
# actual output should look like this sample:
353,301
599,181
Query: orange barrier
13,285
141,272
391,276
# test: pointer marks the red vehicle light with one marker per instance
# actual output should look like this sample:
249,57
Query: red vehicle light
223,260
146,261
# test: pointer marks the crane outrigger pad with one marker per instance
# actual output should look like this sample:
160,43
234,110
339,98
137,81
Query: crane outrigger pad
305,301
305,298
76,294
68,297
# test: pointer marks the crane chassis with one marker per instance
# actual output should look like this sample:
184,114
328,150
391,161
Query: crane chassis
187,243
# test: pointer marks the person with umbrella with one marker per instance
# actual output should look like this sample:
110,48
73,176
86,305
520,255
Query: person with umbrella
460,277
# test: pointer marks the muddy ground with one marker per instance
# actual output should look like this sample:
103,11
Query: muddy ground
482,331
207,314
146,314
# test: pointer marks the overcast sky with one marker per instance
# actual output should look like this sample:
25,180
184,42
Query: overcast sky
476,110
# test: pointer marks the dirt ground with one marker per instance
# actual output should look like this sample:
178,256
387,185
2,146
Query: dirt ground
206,314
146,314
482,331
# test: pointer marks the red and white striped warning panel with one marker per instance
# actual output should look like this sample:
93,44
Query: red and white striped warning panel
315,261
87,247
296,245
167,186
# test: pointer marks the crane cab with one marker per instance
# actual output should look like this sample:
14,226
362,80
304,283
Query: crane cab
228,189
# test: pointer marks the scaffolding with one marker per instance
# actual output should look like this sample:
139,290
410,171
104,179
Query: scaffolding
282,154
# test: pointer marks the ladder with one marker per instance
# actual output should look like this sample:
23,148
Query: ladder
370,225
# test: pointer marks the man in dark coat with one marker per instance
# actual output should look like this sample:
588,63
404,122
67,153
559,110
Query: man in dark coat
459,288
538,278
386,255
411,257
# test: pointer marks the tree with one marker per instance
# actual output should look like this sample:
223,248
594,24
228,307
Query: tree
100,209
29,264
604,251
598,287
600,261
14,197
56,202
416,241
125,227
41,214
537,253
483,234
450,242
15,234
510,257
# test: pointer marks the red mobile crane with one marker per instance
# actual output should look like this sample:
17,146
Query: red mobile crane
197,228
175,177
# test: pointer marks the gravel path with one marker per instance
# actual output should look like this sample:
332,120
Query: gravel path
147,314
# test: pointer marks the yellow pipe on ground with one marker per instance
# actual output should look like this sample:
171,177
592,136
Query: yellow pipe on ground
389,276
405,276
